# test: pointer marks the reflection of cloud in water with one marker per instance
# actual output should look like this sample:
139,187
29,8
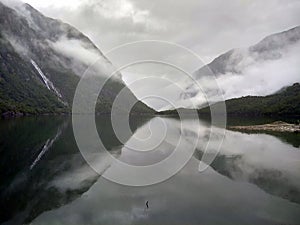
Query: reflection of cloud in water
190,196
262,160
143,154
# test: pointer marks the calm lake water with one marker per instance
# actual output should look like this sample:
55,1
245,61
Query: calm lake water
255,178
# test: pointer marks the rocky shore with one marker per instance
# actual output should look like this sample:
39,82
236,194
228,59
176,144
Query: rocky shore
277,126
11,114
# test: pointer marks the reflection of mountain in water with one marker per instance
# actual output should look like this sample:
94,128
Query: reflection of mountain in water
61,175
190,196
270,180
287,137
43,168
259,159
243,166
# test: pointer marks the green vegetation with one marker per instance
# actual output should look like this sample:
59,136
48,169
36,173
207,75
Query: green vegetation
286,102
20,89
23,92
283,103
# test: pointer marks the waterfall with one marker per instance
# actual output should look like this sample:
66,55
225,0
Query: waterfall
47,82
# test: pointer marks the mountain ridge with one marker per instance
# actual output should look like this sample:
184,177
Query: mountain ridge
53,56
260,69
269,43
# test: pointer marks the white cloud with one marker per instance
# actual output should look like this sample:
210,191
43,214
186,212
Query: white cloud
74,49
207,27
261,78
83,56
55,3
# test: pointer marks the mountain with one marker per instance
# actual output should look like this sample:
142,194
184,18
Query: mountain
42,60
272,47
286,102
260,69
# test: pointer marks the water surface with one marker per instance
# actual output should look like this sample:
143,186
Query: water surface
254,179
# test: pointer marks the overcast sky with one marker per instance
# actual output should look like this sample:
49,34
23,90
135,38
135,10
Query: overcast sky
208,27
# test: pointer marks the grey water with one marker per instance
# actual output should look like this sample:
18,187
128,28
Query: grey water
254,179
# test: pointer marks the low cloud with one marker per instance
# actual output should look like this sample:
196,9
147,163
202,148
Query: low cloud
207,27
74,49
257,75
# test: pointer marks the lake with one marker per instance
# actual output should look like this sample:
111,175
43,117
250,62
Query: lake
254,178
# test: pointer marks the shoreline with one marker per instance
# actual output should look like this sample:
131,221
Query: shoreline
277,126
17,115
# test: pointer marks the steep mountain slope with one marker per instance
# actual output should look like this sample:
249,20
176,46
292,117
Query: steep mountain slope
21,90
259,70
236,61
42,60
